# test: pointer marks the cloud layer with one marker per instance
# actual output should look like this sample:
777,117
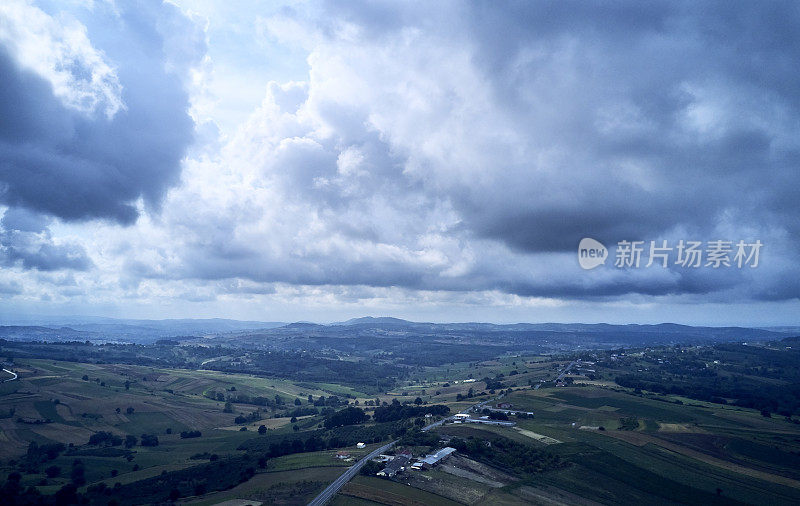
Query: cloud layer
441,149
86,132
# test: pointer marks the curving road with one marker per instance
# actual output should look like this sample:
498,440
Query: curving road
11,373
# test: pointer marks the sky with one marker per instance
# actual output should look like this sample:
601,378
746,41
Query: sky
435,161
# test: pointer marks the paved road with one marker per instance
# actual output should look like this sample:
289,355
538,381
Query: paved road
11,373
435,424
332,489
565,371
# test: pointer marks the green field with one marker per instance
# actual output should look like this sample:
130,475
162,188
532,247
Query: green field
283,485
652,449
695,461
376,488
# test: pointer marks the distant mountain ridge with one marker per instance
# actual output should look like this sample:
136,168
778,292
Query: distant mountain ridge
374,320
393,336
127,330
369,327
389,322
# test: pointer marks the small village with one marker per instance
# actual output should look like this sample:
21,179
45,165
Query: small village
482,413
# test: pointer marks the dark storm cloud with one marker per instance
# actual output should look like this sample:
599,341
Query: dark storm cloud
615,120
649,57
557,68
437,146
77,165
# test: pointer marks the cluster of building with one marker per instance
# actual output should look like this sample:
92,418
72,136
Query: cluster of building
432,459
345,455
508,409
401,461
485,420
396,465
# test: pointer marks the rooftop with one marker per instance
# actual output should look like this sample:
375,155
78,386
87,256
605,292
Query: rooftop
433,458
